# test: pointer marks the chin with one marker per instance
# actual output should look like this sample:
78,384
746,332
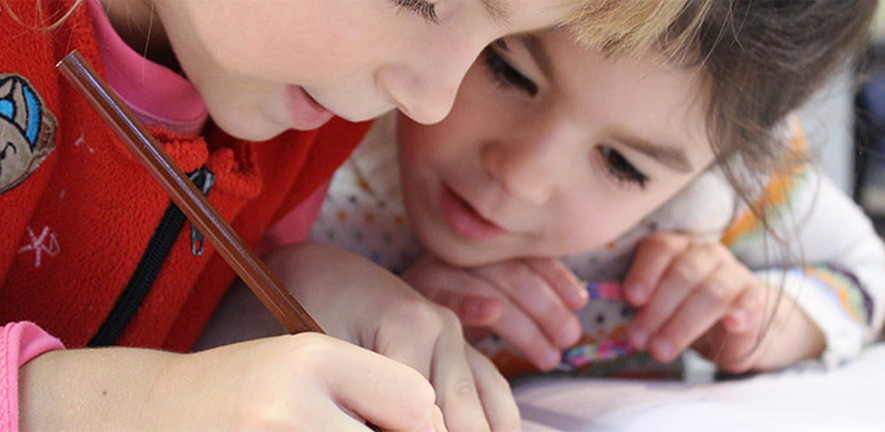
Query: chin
463,256
249,129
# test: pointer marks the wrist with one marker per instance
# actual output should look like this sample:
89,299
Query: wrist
791,336
110,389
20,342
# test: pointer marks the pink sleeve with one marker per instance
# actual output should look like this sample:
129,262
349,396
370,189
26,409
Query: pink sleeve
19,342
295,225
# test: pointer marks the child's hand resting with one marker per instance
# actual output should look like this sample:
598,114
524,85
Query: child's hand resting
529,302
692,293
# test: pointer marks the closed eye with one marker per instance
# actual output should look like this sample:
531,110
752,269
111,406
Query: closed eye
620,168
503,73
424,8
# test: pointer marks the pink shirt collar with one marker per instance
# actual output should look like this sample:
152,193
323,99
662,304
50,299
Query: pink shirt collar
157,95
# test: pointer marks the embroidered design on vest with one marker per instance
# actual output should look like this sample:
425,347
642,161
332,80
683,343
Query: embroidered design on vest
27,130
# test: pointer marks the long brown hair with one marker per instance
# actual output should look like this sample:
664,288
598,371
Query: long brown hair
763,60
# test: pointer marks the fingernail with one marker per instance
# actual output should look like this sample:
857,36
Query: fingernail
638,338
428,427
569,334
738,319
578,297
636,294
662,349
550,359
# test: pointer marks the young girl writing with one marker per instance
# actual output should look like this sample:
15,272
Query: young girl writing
93,252
645,162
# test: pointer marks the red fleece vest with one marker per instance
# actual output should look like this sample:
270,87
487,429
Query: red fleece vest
78,215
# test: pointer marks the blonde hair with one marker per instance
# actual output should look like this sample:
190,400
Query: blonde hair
619,26
41,22
625,27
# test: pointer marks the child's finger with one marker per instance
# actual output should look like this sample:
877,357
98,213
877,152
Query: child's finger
414,345
494,392
472,310
523,333
364,388
697,314
456,386
534,297
472,299
563,281
747,310
679,280
739,350
653,257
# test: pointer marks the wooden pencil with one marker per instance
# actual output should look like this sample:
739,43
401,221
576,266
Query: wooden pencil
185,195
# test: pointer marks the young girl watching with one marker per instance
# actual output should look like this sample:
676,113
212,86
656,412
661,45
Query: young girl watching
94,253
670,172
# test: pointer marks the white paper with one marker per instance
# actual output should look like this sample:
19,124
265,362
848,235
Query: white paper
809,398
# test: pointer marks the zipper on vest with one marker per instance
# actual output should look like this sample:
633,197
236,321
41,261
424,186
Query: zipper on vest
204,179
151,262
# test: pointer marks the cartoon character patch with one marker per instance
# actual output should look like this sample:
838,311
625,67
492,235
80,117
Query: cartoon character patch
27,130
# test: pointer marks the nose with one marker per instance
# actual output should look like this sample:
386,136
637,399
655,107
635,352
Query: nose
424,87
530,167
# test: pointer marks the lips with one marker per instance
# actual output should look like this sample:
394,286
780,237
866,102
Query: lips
305,112
465,220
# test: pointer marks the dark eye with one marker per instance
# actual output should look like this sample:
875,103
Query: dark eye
620,167
425,8
503,73
8,146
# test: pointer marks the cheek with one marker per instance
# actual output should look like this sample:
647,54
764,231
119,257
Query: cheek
589,232
415,146
435,146
588,224
285,41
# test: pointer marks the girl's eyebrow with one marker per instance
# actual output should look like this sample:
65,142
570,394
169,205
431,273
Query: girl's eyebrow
496,10
671,156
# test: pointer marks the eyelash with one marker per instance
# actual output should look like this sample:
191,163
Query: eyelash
503,73
425,8
507,76
620,168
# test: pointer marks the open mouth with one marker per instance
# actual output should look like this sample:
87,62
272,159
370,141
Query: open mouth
465,220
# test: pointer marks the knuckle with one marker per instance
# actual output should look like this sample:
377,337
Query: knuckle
507,268
532,285
666,241
709,249
483,363
685,270
304,348
419,311
719,292
266,416
465,389
448,319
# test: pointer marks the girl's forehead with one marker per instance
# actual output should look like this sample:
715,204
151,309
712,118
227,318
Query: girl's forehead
631,98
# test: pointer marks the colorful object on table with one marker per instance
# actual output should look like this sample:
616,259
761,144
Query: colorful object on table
604,335
604,322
